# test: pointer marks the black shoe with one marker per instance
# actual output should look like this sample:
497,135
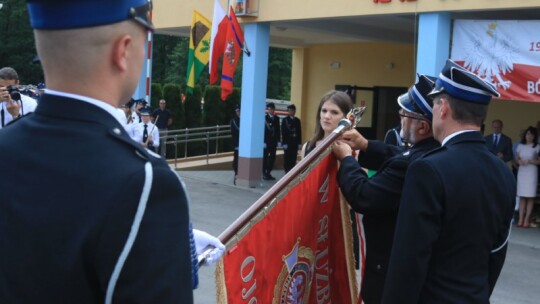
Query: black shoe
234,180
270,177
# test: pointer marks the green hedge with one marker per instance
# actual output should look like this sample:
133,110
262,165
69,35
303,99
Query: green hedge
156,95
218,112
191,114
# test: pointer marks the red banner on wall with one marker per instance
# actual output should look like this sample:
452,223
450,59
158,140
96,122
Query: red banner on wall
506,53
297,251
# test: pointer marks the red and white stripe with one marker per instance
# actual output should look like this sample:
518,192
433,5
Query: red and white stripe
148,63
148,66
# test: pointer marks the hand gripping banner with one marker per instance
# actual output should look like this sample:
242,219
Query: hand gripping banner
296,245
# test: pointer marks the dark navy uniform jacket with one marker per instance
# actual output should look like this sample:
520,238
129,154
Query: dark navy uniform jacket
235,131
85,210
272,131
291,132
504,146
454,219
378,200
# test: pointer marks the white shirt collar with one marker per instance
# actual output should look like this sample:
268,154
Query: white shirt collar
98,103
447,138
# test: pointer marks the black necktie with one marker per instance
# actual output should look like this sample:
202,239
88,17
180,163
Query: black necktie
145,133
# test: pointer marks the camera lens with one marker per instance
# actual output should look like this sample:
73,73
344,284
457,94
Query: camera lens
15,95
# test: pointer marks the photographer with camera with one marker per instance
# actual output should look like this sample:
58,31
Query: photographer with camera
13,104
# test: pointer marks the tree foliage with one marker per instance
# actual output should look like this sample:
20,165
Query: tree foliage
171,93
279,74
169,58
156,93
17,42
170,66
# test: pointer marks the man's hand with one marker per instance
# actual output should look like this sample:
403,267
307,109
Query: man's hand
13,107
341,149
355,140
204,240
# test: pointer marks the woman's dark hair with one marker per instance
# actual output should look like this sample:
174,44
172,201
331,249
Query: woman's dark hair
534,132
340,99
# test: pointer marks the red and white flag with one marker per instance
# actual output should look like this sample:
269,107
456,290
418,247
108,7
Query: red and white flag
220,25
504,52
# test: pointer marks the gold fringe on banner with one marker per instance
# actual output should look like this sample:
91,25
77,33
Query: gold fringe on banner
346,223
221,290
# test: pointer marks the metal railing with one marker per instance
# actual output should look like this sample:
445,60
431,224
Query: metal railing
208,135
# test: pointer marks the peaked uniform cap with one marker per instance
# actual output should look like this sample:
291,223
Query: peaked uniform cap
141,101
271,105
458,82
71,14
416,100
146,111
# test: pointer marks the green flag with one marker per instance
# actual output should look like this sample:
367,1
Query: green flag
199,48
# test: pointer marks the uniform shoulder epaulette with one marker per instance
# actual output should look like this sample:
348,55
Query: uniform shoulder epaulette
119,134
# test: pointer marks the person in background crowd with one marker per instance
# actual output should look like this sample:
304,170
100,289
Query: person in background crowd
145,132
498,143
291,135
138,105
13,104
457,204
79,236
163,119
527,177
271,138
235,134
377,198
127,120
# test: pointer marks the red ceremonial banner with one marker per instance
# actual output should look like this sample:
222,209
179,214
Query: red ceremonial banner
297,250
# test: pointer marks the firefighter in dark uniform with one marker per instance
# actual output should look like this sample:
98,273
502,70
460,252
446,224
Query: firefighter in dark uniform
377,198
271,138
291,136
87,215
235,134
457,204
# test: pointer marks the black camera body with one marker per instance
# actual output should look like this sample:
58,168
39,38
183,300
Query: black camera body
14,92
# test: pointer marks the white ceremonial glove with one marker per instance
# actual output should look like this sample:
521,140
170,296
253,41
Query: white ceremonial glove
285,146
203,240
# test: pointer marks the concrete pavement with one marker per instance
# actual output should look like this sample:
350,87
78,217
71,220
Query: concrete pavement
215,203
